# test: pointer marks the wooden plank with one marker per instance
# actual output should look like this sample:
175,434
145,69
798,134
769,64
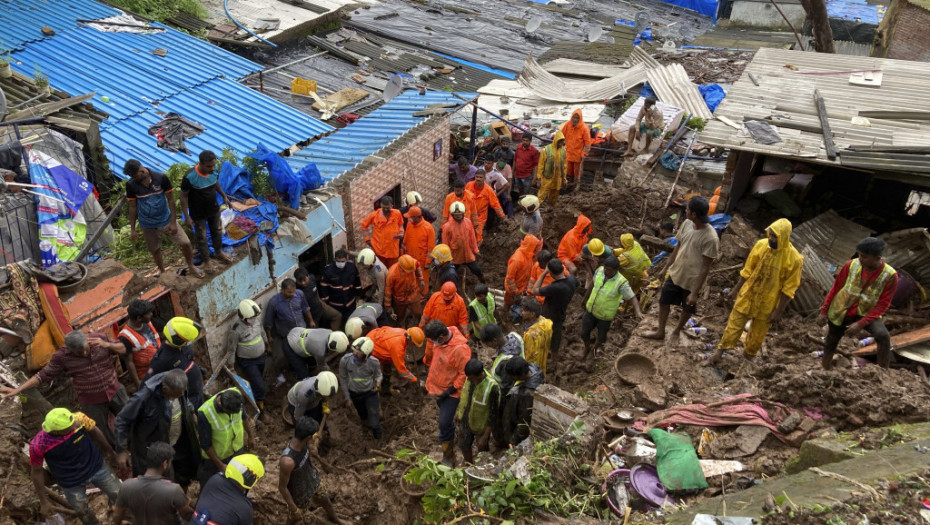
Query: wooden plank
47,108
825,125
904,340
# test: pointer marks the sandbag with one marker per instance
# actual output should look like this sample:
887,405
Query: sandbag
677,462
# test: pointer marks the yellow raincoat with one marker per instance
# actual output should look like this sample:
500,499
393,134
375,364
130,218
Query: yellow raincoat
551,170
633,261
769,273
536,341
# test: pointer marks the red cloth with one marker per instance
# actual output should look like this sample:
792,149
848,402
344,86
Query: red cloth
750,413
884,300
525,160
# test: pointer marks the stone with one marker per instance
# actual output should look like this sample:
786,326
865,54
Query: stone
817,452
788,424
807,424
650,396
796,438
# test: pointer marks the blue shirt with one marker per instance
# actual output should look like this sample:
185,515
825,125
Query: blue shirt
152,201
283,315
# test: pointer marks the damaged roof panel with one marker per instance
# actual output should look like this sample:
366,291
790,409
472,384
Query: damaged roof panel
22,20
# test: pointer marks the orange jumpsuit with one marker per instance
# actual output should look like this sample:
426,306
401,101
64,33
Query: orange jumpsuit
419,240
404,291
519,267
447,365
576,139
380,232
573,241
391,348
460,237
484,198
468,199
452,313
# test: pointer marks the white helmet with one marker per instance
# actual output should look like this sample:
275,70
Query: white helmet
364,345
249,309
327,384
413,198
457,207
354,327
530,202
337,342
366,257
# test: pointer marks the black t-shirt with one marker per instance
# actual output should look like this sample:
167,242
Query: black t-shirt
224,503
558,295
313,299
201,203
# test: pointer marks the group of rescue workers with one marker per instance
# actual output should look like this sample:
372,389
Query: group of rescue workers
400,300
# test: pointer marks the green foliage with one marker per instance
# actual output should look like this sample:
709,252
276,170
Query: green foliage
161,9
39,77
697,123
258,174
553,485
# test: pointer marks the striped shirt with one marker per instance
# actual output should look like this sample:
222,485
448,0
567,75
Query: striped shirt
93,377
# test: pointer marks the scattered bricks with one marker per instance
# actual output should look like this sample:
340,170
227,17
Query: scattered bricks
796,438
649,396
789,423
817,452
807,424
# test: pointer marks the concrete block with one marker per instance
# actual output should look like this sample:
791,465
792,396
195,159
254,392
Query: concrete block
807,424
650,396
796,438
817,452
788,424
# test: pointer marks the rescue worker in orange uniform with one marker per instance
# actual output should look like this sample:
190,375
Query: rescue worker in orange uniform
447,306
383,230
519,268
485,198
577,144
459,235
460,194
391,346
405,289
446,378
419,239
572,243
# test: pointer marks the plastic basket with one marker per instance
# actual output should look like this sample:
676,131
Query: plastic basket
302,86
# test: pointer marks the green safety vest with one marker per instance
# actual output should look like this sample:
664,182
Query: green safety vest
485,314
605,298
852,292
228,432
637,262
480,403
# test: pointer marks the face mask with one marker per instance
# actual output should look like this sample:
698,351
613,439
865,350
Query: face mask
340,265
773,243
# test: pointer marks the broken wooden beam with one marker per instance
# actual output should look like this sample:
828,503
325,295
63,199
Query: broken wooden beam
828,143
896,115
47,108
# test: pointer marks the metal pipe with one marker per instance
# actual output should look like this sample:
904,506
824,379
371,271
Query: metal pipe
97,234
295,62
242,27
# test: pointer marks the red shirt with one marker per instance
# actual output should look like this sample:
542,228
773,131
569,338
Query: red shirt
93,377
884,300
525,160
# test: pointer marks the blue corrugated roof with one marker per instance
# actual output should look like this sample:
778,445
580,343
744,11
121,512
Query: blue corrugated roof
346,148
233,115
22,20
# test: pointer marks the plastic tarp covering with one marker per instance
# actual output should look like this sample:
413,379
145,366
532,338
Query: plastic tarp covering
551,87
236,183
713,95
856,10
289,184
705,7
62,231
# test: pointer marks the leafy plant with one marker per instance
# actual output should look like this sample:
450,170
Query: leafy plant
40,78
697,123
162,9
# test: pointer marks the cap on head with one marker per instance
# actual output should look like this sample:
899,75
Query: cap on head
417,337
363,345
414,211
354,327
58,419
448,290
249,309
245,469
366,257
596,247
337,342
871,246
413,198
457,207
327,384
407,263
180,331
442,253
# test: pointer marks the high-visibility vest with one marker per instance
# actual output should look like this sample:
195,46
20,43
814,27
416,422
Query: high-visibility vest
852,292
247,345
143,350
605,298
228,431
485,313
480,400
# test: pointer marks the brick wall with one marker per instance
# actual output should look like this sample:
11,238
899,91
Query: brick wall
409,162
911,38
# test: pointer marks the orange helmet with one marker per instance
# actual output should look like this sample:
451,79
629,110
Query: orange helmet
448,290
407,263
417,337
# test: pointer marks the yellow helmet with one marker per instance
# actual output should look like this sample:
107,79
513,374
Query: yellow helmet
457,207
442,253
417,337
407,263
180,331
245,469
364,345
596,247
354,327
366,257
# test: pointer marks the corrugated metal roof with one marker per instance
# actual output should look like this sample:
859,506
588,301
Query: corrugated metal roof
234,116
122,67
346,148
831,236
910,250
22,20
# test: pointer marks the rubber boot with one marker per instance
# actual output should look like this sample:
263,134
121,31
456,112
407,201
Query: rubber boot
468,457
448,454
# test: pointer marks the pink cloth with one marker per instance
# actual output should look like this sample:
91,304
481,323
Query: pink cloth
749,413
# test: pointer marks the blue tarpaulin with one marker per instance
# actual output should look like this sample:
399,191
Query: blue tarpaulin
236,183
624,22
705,7
713,94
646,34
287,183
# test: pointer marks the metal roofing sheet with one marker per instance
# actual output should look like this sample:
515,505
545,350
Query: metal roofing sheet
22,20
234,116
122,67
346,148
831,236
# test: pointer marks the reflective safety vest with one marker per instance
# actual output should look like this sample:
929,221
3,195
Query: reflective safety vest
634,262
485,313
480,401
852,292
504,357
247,347
605,298
143,349
228,431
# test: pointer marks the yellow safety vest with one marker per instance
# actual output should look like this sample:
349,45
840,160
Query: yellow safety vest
852,292
485,314
228,431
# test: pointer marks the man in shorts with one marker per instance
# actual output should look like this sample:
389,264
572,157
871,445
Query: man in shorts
151,203
649,122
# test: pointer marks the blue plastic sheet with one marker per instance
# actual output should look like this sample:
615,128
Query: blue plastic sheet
859,10
720,221
287,184
646,34
713,95
705,7
236,182
624,22
646,91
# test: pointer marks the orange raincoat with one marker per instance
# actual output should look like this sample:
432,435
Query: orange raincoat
574,240
391,347
576,138
484,198
460,237
453,313
403,287
419,241
468,199
380,232
519,267
447,365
